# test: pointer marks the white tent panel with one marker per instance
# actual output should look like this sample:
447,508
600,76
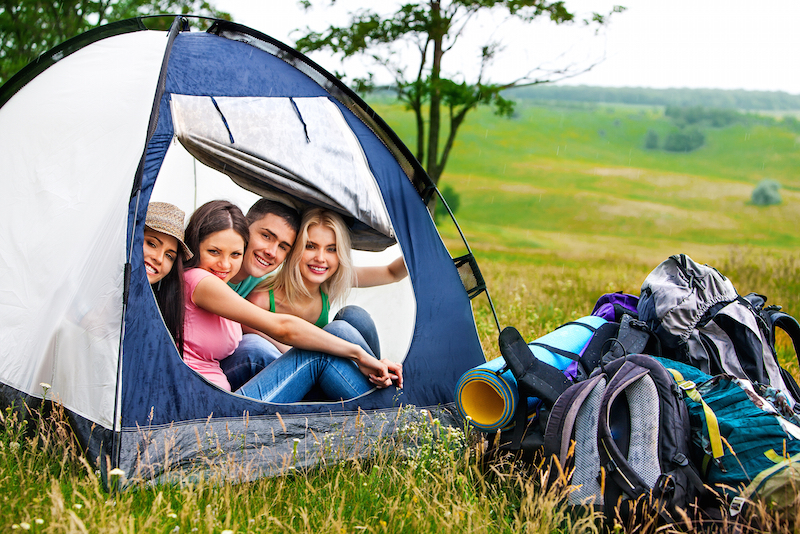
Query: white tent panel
83,121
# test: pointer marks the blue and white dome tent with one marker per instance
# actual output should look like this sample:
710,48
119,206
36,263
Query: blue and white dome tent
95,129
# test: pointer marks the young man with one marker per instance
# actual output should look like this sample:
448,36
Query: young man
273,229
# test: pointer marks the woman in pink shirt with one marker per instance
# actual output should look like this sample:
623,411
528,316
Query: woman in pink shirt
218,233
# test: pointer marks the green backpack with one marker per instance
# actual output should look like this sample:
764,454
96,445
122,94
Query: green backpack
745,446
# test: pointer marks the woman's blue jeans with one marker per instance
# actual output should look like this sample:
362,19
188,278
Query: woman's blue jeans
290,377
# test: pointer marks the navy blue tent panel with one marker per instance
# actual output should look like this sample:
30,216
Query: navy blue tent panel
159,388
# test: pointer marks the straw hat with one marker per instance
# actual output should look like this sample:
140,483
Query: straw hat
167,219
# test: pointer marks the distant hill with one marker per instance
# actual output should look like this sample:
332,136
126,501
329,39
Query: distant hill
709,98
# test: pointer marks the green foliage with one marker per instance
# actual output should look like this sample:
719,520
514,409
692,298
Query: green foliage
453,200
651,140
708,98
766,193
698,115
432,28
29,28
684,140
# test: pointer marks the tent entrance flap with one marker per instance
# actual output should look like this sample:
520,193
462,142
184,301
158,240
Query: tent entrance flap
299,146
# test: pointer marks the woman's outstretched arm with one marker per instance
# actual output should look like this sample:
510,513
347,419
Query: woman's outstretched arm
378,275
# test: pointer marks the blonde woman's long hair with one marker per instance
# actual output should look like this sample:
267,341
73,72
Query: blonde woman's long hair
290,281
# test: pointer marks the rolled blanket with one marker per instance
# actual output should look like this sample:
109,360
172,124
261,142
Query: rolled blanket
490,399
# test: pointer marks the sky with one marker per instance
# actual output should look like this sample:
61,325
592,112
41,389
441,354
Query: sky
724,44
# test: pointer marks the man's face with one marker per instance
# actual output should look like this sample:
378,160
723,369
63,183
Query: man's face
271,239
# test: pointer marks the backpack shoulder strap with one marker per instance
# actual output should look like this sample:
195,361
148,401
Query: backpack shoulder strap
571,438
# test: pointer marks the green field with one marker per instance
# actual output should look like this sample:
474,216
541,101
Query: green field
564,200
578,180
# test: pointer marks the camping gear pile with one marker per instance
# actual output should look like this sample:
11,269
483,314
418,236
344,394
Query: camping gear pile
675,405
107,121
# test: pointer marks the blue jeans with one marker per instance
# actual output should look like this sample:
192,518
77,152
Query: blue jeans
291,377
252,355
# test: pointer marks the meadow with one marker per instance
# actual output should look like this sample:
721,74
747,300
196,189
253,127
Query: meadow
560,204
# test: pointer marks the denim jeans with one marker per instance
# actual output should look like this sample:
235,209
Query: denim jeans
252,355
291,376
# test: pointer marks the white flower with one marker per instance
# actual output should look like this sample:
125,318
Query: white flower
45,385
116,472
296,440
39,521
14,445
77,506
226,532
25,526
172,515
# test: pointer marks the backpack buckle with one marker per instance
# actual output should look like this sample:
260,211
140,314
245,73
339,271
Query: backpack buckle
687,385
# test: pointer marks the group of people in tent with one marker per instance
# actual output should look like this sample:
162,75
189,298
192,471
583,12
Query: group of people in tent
257,332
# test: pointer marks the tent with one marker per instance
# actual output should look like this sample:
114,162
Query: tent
93,130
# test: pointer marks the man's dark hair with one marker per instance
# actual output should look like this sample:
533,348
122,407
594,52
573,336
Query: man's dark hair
265,206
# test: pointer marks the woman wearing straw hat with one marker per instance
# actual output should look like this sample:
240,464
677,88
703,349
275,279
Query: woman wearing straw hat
164,253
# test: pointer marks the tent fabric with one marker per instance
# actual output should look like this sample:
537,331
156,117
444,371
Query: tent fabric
76,308
313,146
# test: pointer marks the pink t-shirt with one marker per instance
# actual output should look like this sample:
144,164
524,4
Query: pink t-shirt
207,337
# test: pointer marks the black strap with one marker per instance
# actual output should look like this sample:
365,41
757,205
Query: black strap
561,352
534,377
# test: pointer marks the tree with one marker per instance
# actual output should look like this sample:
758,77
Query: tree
684,140
766,193
432,28
651,140
30,27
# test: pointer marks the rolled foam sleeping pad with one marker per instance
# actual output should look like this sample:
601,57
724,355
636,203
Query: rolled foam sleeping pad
490,399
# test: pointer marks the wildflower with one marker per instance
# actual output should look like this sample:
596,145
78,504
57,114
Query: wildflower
25,526
39,521
172,515
116,472
226,532
14,445
45,385
383,523
176,529
14,526
77,506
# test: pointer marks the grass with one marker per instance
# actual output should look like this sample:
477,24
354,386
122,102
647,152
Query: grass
444,485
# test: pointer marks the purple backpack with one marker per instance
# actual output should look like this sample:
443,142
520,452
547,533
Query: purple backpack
612,306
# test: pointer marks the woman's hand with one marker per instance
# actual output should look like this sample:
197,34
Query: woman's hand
382,373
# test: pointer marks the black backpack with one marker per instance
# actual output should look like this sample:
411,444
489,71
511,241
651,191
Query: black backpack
537,379
622,439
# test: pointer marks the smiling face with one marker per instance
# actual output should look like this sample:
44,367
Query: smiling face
320,258
160,251
221,254
271,239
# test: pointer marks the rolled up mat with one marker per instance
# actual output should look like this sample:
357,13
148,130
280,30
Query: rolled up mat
489,398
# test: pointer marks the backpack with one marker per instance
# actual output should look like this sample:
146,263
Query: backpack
701,320
745,438
612,306
622,440
543,369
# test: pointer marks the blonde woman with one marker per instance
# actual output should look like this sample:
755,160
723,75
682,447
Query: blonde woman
318,272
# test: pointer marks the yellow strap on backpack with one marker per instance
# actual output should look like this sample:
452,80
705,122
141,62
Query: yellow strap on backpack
711,419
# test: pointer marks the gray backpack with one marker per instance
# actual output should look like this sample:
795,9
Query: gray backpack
622,440
701,320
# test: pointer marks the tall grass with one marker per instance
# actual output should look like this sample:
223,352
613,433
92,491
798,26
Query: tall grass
443,484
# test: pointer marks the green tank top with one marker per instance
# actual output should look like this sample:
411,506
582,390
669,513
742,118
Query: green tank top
323,316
